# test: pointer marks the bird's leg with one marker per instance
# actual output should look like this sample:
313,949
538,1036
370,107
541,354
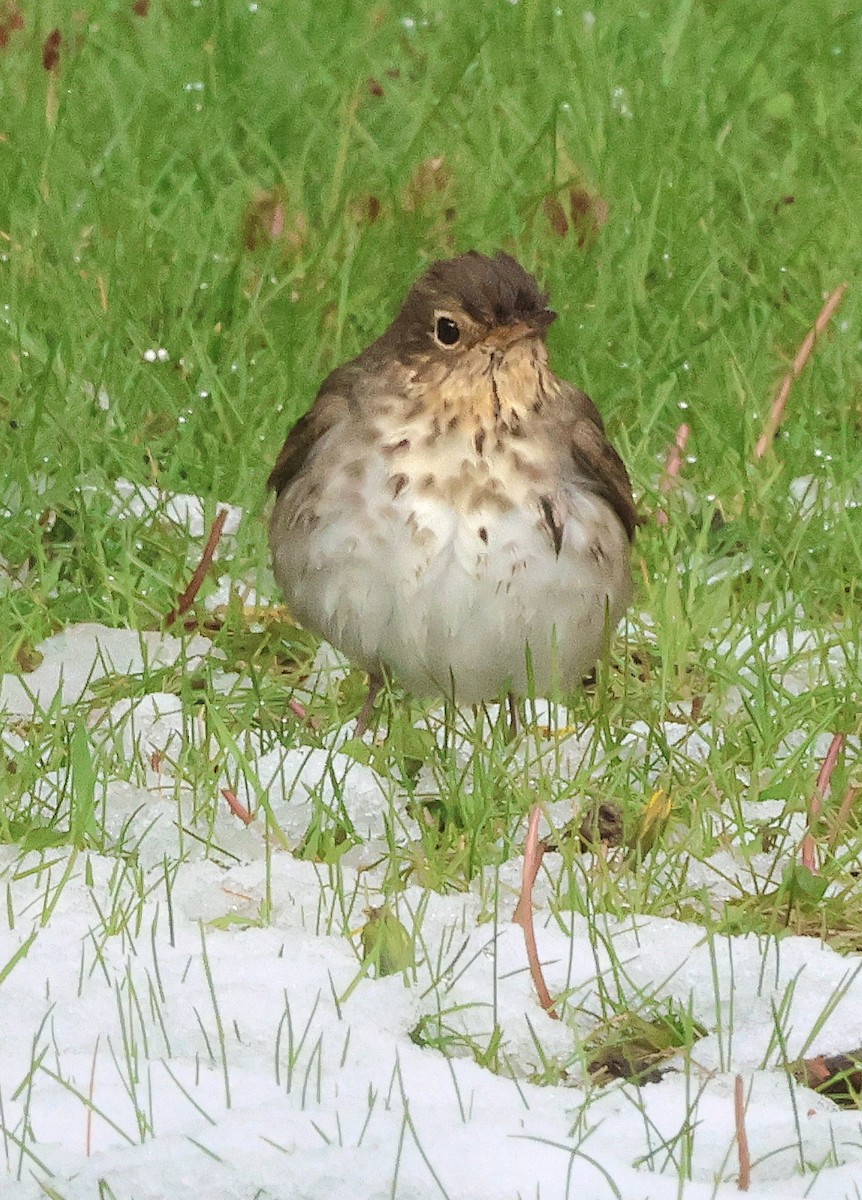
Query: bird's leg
512,702
450,716
375,683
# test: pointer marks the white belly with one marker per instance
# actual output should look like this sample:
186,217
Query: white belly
411,585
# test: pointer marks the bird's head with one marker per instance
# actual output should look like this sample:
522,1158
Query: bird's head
470,309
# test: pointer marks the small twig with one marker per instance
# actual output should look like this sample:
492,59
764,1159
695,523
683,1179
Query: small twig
844,810
237,807
674,458
744,1180
815,804
672,467
776,412
523,915
298,710
187,599
90,1093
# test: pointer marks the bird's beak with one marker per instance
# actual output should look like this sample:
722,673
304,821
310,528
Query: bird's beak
517,331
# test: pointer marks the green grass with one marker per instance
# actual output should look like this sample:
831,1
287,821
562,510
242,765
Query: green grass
715,149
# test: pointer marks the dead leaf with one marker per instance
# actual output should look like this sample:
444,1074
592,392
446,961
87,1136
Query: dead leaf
603,824
386,944
589,212
838,1076
652,823
430,179
366,209
51,50
268,220
600,824
11,19
28,658
631,1046
556,215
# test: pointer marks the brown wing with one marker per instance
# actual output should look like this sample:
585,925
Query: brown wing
596,460
329,408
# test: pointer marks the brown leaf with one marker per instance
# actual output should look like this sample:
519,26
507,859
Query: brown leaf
28,658
589,213
51,50
365,210
631,1046
141,7
11,19
430,178
375,87
264,217
604,823
269,221
556,215
838,1076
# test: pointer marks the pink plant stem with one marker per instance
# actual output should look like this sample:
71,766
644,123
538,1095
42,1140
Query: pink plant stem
237,807
845,808
776,413
276,225
187,599
523,916
742,1151
815,804
672,467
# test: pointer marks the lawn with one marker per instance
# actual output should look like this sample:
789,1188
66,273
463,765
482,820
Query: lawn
205,206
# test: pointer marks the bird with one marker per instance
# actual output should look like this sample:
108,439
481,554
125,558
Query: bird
450,512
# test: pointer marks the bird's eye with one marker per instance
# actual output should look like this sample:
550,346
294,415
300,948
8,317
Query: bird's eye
446,332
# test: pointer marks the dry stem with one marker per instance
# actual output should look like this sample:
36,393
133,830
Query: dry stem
815,804
672,467
741,1136
776,412
844,811
91,1090
237,807
523,915
187,599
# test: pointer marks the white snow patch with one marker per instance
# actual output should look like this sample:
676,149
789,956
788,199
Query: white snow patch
230,1060
300,782
188,1016
187,511
82,654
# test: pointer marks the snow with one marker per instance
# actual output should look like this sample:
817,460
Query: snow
219,1059
187,1015
187,511
78,657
